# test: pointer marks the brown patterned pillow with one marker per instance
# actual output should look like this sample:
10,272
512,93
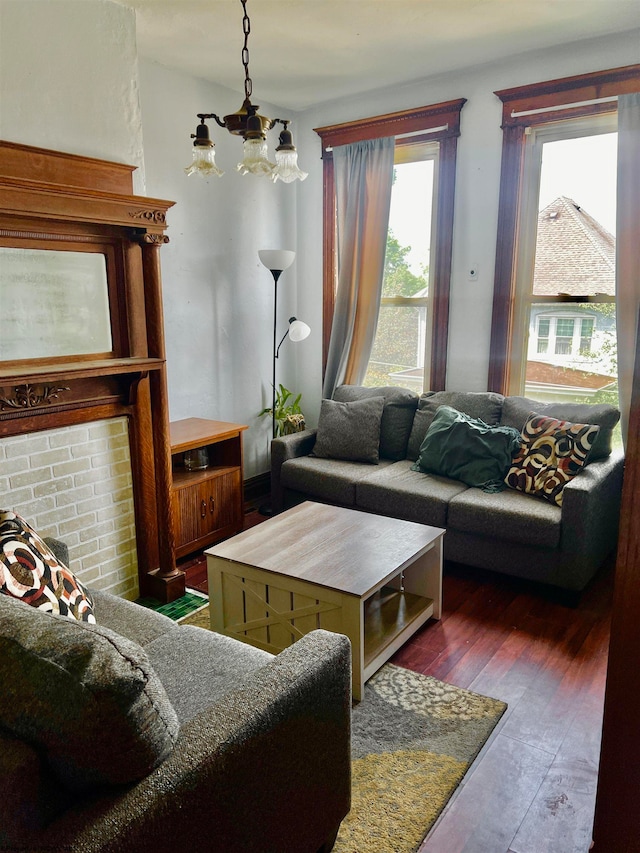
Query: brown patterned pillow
551,454
30,571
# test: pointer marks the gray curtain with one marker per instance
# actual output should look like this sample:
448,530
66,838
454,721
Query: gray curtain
363,180
627,247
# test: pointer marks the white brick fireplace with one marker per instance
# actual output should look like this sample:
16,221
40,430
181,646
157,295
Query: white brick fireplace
75,484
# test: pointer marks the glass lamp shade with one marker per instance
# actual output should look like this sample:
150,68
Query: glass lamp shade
204,162
276,259
255,160
287,169
298,330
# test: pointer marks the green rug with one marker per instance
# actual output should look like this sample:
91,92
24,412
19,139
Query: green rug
413,739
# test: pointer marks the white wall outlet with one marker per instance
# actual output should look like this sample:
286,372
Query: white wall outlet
472,272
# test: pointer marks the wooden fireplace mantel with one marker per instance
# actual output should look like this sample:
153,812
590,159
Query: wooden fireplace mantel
50,200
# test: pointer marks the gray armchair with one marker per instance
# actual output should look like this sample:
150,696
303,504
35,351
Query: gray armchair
260,760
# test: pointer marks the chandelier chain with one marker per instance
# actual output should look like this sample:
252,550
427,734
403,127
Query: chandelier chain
246,28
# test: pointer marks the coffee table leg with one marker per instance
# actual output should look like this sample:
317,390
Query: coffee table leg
424,577
353,627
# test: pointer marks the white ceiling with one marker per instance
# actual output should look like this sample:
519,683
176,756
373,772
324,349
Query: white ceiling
304,52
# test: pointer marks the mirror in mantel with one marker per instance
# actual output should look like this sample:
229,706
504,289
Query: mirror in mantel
53,303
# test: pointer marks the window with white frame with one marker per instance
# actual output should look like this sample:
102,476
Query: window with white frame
563,336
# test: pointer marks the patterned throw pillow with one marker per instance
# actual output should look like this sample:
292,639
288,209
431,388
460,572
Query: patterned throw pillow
551,454
30,571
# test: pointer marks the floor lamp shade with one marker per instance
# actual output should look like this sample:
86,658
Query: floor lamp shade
276,259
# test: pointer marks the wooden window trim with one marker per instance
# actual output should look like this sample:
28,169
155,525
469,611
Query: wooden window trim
578,93
440,123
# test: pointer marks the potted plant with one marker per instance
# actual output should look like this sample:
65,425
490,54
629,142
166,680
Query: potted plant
287,413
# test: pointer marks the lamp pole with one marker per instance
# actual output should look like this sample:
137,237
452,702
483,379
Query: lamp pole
276,275
275,260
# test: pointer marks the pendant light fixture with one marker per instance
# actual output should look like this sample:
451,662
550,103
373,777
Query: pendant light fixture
253,128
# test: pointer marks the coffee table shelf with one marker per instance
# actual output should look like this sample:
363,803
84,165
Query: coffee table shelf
390,618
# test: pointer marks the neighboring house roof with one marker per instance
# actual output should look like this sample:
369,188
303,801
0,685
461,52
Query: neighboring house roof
543,373
574,253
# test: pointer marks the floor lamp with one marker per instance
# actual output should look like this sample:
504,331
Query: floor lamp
278,260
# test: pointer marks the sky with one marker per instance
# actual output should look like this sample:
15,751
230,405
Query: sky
583,169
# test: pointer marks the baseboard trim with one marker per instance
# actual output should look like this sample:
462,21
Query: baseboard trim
256,488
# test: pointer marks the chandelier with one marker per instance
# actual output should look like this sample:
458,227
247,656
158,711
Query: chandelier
252,127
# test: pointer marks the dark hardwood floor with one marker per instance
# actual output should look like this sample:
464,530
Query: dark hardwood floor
532,788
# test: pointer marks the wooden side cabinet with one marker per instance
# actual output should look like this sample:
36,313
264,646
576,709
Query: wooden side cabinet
207,503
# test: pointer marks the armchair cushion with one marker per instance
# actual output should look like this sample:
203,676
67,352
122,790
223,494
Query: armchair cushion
86,698
30,571
33,795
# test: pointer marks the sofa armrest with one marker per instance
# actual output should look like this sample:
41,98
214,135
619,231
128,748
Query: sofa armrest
591,508
265,769
283,448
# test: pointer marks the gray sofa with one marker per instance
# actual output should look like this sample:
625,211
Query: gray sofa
508,531
258,756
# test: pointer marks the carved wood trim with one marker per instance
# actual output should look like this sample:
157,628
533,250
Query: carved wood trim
396,124
49,198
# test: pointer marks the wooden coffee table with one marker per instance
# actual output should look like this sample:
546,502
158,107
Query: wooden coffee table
373,578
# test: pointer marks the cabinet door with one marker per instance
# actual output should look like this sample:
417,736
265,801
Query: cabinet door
228,502
188,514
206,507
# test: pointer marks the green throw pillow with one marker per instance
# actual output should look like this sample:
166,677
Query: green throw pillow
467,449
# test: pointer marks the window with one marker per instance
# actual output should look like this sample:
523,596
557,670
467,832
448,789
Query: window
411,336
544,325
400,353
553,329
565,268
562,336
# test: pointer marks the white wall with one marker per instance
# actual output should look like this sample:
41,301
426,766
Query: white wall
69,82
477,190
68,79
218,298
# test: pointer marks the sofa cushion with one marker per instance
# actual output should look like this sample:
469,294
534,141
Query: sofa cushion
129,619
484,405
516,410
331,480
400,406
509,516
30,571
83,696
552,453
197,667
397,490
467,449
30,794
349,430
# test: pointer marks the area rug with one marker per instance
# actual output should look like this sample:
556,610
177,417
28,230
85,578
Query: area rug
413,739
